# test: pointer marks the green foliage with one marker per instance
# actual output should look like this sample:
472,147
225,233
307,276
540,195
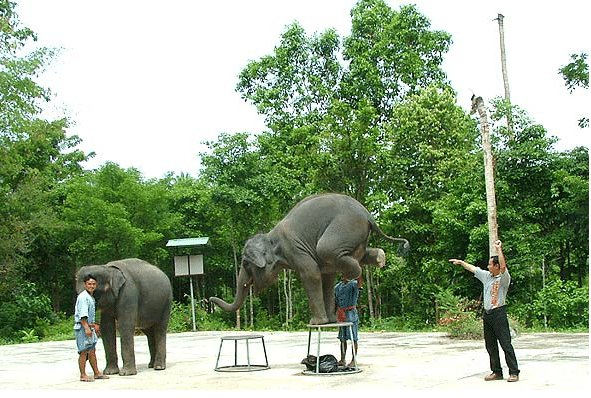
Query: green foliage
26,307
404,323
369,115
181,319
576,74
460,317
563,303
28,317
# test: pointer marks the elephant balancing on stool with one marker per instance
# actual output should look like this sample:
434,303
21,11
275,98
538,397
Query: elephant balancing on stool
131,293
322,235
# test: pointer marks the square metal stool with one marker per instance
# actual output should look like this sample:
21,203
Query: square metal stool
241,368
331,325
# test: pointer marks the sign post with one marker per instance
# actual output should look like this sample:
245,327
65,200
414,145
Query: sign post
189,264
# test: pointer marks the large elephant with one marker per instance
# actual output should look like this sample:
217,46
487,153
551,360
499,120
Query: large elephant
320,236
131,293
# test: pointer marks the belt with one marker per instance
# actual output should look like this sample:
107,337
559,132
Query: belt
488,312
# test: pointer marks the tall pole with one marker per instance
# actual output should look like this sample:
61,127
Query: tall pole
489,175
505,78
192,303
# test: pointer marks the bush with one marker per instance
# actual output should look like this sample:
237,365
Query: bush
461,317
181,319
564,304
407,323
24,313
464,326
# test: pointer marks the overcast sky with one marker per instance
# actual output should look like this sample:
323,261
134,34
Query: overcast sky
147,82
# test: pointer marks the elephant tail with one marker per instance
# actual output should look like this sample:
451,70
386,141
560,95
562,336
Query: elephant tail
403,245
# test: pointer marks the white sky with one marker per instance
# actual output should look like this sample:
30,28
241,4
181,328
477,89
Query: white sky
147,82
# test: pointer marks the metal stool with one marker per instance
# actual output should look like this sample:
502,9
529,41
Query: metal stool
332,325
241,368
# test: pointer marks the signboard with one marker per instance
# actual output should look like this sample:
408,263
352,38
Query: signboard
188,265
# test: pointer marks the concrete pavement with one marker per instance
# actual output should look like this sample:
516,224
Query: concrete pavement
389,361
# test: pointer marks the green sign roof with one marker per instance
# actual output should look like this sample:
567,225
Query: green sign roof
188,242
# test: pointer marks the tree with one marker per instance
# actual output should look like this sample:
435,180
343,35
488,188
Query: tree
489,171
576,74
327,117
36,155
112,213
428,167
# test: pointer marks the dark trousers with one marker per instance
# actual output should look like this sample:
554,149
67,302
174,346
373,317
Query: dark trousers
496,329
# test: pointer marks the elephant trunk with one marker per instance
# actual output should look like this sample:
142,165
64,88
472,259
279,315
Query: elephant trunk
242,288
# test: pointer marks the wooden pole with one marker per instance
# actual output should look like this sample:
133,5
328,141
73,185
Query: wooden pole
489,175
504,69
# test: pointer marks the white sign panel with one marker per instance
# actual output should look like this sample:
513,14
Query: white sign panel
188,265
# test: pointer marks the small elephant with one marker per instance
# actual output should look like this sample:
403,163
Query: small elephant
322,235
131,293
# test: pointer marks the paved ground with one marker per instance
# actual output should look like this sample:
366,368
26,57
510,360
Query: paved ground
389,361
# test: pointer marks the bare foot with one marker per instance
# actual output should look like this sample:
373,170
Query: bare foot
86,378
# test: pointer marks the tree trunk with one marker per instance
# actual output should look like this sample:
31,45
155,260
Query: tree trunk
489,174
236,273
369,292
505,78
251,308
288,296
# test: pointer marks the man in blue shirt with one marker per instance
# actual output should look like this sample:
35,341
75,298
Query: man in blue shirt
346,295
86,330
495,282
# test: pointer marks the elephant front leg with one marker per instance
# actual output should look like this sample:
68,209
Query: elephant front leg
328,282
126,332
312,282
109,338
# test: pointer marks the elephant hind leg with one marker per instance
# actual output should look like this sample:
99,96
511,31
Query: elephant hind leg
374,257
150,336
157,344
348,266
335,248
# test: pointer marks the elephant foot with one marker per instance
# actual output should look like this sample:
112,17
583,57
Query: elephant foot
158,366
319,321
381,258
127,371
111,370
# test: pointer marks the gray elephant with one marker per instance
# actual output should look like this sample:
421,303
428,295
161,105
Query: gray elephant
131,293
321,236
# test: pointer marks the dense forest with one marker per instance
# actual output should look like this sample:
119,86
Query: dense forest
370,115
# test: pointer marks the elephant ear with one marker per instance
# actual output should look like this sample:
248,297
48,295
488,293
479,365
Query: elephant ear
116,281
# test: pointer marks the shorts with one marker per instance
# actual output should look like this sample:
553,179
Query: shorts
84,342
344,332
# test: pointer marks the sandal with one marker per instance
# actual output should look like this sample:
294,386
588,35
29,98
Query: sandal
87,379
